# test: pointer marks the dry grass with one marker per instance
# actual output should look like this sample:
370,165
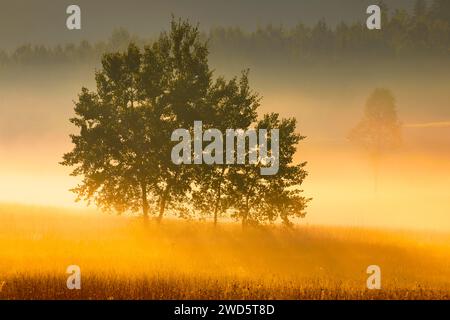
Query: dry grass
122,259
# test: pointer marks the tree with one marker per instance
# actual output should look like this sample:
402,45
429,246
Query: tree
420,8
114,151
440,9
234,106
256,198
122,150
321,40
176,79
379,130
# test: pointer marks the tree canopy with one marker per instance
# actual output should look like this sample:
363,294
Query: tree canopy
123,149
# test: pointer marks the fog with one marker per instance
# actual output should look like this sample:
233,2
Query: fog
413,181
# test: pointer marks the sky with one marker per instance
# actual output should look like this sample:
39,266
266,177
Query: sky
43,21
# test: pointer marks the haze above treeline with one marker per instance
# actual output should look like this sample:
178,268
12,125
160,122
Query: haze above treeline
43,22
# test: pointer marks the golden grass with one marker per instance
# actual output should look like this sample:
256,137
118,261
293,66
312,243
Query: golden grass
120,258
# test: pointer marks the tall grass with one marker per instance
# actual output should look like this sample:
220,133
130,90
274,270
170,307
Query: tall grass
120,258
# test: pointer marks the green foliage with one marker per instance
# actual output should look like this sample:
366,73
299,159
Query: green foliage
141,98
123,149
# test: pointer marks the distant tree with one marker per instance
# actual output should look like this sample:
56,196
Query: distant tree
120,39
440,9
379,130
384,12
397,32
23,55
419,29
298,39
420,8
321,38
423,31
257,198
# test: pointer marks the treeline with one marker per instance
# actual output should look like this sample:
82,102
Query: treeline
423,32
84,52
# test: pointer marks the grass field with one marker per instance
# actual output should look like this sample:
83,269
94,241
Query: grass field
120,258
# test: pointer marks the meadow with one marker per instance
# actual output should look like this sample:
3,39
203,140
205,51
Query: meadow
122,258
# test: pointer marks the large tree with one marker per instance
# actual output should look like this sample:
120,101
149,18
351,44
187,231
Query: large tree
114,150
122,151
124,145
176,78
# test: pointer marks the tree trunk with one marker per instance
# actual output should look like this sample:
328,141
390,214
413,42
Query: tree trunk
244,220
162,203
162,207
144,202
216,206
219,194
245,215
215,216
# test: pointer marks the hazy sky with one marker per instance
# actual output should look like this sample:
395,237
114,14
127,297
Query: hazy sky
43,21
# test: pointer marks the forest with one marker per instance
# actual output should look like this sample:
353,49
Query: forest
424,32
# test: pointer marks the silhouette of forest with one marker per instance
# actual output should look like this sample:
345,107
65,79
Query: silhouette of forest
424,32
